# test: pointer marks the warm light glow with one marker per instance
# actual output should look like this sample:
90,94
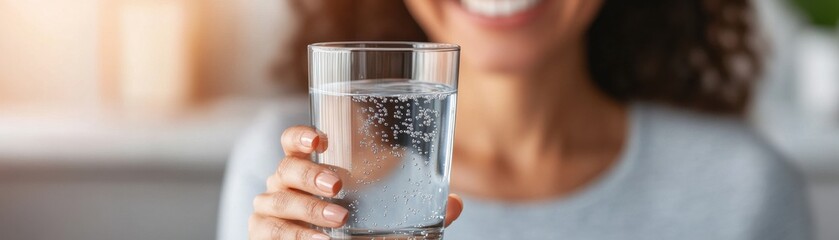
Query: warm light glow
128,57
154,66
47,53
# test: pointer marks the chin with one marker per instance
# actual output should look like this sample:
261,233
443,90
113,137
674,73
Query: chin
505,36
500,36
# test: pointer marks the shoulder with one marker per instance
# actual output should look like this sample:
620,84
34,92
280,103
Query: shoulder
720,166
716,152
711,139
699,131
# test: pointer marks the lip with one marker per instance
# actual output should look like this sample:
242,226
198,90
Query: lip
500,22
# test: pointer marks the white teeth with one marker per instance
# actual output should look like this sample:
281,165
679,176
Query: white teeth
498,8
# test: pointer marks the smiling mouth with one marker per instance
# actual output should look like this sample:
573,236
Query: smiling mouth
498,8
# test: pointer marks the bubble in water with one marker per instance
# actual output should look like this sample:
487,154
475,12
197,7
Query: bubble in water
386,130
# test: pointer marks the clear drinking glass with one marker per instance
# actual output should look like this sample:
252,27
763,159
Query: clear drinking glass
387,110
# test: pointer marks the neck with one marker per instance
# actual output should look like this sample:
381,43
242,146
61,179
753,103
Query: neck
550,115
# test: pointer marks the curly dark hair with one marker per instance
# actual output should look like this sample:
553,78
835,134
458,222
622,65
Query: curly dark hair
698,54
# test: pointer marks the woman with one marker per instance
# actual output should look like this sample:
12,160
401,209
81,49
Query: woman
577,119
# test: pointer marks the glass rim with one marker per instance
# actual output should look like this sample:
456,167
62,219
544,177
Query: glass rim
383,46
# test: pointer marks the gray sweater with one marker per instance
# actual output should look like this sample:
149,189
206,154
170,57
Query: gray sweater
682,175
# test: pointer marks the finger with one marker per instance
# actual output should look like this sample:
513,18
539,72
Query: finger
300,141
274,183
261,227
453,208
307,176
294,205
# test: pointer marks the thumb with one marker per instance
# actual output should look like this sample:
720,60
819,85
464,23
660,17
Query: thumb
453,208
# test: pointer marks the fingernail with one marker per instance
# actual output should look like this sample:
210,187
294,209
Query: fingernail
320,236
308,139
334,213
326,182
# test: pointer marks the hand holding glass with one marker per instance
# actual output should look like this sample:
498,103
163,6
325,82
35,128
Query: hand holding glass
387,110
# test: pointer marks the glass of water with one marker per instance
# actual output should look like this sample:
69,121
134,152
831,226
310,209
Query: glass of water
387,110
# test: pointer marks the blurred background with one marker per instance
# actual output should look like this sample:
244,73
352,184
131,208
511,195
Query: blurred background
117,116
